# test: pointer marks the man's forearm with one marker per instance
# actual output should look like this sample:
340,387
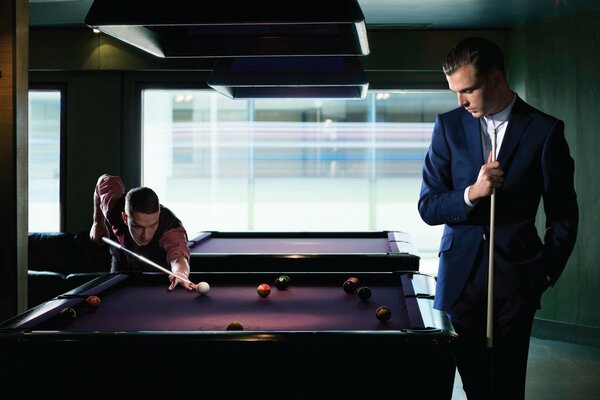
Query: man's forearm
97,217
180,265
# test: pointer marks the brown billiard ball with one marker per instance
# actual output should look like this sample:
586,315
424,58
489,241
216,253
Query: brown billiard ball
282,282
364,293
383,313
235,326
350,285
67,314
92,302
263,290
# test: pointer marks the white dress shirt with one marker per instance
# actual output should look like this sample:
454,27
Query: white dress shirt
489,123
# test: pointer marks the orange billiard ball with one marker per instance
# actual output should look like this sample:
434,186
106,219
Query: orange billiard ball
383,313
263,290
92,302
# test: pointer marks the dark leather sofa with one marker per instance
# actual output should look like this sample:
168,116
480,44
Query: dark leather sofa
61,261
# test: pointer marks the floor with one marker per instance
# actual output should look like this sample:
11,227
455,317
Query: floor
557,371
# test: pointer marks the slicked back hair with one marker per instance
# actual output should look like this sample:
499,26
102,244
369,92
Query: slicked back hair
141,199
482,53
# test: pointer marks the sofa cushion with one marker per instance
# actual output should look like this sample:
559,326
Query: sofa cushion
61,261
90,256
51,251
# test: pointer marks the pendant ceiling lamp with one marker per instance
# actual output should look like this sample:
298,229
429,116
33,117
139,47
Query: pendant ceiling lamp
326,77
188,29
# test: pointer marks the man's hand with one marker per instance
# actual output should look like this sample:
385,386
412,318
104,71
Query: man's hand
98,231
490,177
180,268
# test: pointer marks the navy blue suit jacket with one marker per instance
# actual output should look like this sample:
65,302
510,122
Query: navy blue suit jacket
535,158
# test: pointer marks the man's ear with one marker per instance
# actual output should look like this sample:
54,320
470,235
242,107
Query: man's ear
497,77
124,217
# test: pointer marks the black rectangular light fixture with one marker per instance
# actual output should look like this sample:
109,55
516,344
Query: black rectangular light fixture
332,77
188,29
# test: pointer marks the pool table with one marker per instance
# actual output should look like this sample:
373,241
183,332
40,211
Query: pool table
310,340
303,251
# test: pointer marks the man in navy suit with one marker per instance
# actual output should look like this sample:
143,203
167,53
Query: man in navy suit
459,176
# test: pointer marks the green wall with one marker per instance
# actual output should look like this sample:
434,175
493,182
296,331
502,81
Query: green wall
555,65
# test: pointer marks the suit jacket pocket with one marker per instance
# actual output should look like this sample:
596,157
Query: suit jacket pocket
526,248
445,243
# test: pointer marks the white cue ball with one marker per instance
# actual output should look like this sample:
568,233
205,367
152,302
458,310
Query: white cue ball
202,288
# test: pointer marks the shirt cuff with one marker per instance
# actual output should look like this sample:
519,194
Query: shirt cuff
466,198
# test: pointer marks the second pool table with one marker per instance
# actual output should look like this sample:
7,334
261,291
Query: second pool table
303,251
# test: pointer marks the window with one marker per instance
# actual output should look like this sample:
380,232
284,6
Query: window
44,163
291,165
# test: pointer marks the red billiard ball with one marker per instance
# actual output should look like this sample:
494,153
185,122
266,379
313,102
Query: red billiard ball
282,282
383,313
92,302
350,285
364,293
263,290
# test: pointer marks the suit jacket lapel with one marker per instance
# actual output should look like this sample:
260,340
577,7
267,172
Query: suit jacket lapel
473,139
517,123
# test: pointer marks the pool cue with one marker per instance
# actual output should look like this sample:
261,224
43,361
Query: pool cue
490,303
147,261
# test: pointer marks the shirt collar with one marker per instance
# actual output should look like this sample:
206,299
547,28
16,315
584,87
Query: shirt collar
502,116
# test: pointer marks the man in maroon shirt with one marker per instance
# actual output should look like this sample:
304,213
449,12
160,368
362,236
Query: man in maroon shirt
141,224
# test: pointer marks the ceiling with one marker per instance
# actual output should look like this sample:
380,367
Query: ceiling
406,14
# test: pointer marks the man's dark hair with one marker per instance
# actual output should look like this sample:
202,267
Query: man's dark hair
141,199
482,53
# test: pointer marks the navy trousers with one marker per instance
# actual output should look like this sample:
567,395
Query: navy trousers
497,372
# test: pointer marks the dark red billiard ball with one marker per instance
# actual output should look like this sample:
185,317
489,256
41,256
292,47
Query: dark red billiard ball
67,314
350,285
235,326
364,293
282,282
383,313
92,302
263,290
